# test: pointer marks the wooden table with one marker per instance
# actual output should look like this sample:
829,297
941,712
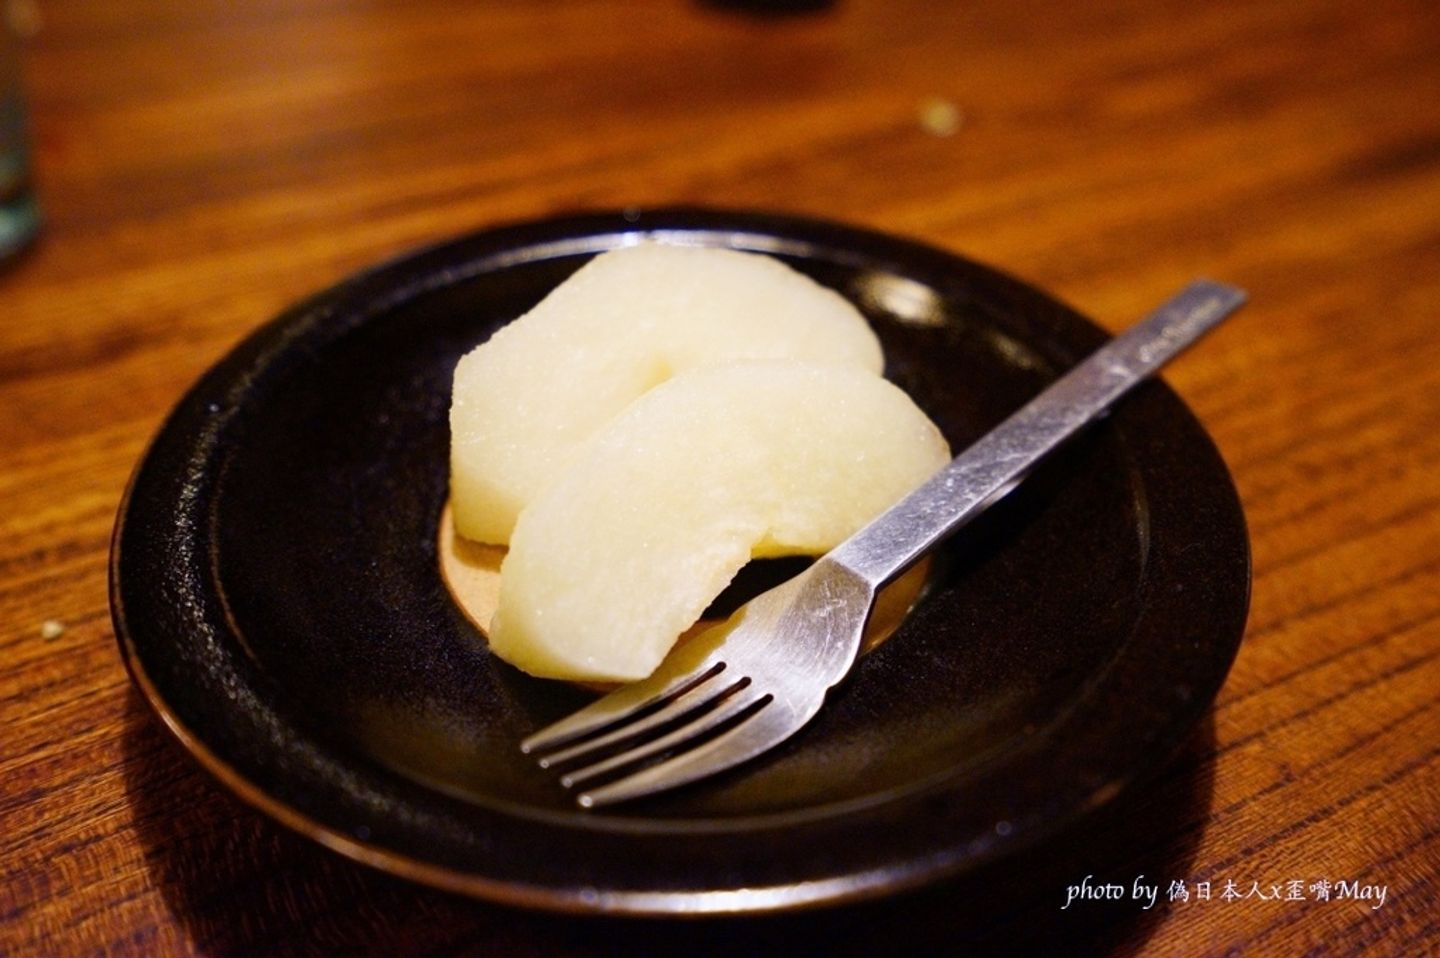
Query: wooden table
202,164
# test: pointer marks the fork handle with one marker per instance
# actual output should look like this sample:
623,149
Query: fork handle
993,466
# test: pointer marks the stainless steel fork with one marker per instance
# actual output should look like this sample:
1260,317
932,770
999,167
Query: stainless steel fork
745,686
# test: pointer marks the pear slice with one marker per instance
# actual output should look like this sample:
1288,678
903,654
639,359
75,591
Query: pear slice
471,573
525,400
621,553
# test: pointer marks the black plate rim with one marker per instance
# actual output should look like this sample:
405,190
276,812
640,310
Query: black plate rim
408,274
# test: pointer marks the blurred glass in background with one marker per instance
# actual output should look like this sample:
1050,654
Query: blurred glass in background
19,215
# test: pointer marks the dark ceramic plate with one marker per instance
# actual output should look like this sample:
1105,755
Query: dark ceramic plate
276,598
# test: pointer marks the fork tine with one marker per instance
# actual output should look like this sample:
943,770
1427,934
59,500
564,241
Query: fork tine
690,663
618,706
761,730
710,688
731,705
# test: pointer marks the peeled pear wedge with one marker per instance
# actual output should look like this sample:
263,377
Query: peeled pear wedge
624,550
529,397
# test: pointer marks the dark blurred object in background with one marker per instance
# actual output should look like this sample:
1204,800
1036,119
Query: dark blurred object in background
19,216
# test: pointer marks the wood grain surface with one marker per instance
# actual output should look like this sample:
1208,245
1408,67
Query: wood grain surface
202,164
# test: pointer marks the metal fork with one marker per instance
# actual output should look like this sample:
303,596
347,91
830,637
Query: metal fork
746,685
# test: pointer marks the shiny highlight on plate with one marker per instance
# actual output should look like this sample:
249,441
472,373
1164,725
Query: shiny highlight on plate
908,300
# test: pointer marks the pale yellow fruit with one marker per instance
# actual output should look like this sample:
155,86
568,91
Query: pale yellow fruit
471,572
625,549
524,401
